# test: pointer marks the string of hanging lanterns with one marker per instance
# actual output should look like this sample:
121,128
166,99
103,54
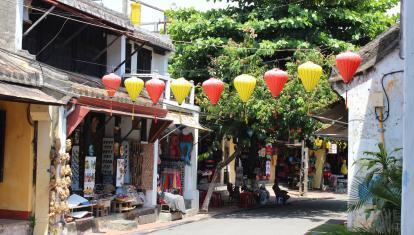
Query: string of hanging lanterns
309,73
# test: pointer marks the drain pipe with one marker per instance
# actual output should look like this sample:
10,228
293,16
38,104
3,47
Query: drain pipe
72,108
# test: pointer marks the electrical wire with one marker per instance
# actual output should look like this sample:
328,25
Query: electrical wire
53,39
387,112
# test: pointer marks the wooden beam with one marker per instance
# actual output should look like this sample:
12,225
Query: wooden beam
39,20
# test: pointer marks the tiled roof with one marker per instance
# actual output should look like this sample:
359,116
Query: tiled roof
113,17
24,70
12,69
99,11
156,39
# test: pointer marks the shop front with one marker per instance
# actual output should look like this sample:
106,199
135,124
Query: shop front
114,153
177,164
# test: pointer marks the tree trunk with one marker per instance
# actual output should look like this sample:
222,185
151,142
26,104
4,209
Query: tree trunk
220,165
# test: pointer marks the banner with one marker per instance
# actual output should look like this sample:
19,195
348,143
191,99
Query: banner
89,179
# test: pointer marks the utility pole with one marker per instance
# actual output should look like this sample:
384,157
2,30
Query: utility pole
407,207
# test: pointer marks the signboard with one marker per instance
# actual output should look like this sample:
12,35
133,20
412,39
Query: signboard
89,178
107,160
74,165
120,172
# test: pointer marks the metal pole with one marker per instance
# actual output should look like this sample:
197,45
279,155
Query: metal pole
39,20
407,206
305,173
302,159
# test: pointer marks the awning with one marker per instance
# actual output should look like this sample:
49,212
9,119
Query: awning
26,94
333,113
122,108
185,120
334,131
81,111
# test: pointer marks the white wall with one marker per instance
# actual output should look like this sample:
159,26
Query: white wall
159,63
116,54
363,128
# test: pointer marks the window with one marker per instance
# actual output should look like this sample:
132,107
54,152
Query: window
144,61
128,58
2,140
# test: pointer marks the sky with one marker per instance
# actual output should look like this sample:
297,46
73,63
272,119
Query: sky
198,4
149,15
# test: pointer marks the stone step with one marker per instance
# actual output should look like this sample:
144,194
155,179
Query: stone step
15,227
122,225
169,216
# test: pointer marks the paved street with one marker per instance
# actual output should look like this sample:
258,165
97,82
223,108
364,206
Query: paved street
293,219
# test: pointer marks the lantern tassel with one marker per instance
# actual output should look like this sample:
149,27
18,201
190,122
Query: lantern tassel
111,107
346,98
245,114
133,106
155,116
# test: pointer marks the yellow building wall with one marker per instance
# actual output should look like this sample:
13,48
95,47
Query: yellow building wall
16,190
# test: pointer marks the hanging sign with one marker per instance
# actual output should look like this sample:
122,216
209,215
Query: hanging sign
125,155
89,178
333,149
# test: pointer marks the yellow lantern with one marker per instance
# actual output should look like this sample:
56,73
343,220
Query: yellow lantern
245,85
180,88
134,87
309,73
136,13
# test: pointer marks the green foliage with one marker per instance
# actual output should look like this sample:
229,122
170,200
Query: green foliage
257,35
378,190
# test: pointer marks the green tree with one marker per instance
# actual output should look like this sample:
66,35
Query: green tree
257,35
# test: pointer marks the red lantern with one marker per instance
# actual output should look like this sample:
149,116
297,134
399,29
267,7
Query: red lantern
213,89
111,82
155,87
275,80
348,63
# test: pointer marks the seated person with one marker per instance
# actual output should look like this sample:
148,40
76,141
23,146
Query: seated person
264,195
279,193
174,201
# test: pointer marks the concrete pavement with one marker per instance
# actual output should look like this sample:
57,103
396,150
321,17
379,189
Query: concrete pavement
297,218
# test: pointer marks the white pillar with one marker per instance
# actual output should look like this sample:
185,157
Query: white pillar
407,226
151,195
116,54
190,175
19,25
44,144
